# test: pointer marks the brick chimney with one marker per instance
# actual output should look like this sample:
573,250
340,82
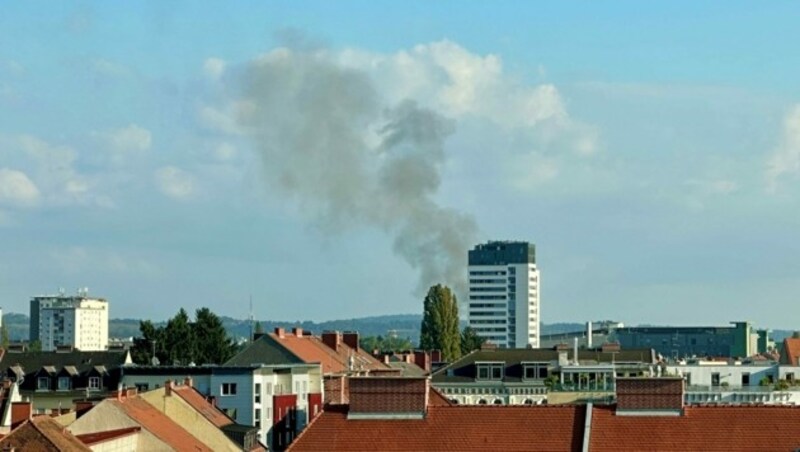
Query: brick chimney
188,381
82,407
609,347
647,396
332,339
388,397
20,412
280,333
297,331
423,360
351,339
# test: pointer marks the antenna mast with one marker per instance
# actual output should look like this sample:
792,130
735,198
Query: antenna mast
252,321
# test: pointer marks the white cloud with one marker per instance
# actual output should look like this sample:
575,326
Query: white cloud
174,182
16,188
214,68
786,158
130,138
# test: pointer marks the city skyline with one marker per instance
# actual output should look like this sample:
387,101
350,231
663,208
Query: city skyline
657,176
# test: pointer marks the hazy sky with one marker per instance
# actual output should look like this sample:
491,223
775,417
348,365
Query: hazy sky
331,159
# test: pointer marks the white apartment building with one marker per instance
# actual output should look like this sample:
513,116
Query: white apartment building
69,320
504,293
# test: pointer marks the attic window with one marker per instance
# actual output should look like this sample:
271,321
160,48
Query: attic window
490,371
534,371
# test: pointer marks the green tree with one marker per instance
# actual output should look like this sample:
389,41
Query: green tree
150,342
212,344
35,346
470,340
4,340
179,340
439,328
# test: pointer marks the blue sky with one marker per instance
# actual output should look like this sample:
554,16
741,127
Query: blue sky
175,154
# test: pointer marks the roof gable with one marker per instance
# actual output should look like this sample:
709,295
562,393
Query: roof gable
42,434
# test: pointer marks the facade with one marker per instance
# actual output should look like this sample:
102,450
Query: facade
278,400
76,321
538,376
504,289
739,340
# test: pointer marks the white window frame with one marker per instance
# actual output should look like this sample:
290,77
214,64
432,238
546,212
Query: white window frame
228,389
95,383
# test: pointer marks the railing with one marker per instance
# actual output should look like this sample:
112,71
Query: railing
751,389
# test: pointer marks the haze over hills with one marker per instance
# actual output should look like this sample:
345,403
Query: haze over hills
402,325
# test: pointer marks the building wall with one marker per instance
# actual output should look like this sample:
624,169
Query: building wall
680,342
149,382
503,300
124,444
78,321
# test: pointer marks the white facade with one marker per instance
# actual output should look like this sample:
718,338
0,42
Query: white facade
503,304
77,321
739,383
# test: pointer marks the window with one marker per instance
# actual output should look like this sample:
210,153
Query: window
745,379
535,371
94,383
490,371
257,393
64,383
228,389
43,383
498,401
257,418
790,376
715,379
269,388
688,378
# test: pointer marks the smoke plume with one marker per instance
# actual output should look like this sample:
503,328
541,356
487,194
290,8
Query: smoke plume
329,142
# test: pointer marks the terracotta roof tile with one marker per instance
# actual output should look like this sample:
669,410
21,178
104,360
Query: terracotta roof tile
447,428
42,434
700,428
197,401
159,424
791,351
311,349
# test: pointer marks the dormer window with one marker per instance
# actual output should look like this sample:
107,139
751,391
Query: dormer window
490,371
534,371
43,383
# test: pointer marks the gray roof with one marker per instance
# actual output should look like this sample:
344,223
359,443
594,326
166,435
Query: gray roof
264,350
55,361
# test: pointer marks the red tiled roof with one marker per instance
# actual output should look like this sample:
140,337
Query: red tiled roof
311,350
42,434
448,428
791,351
436,398
98,437
159,424
196,400
700,428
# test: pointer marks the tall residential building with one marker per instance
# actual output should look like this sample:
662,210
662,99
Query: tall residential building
69,320
504,293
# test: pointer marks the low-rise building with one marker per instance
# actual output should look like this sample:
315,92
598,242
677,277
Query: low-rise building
537,376
54,380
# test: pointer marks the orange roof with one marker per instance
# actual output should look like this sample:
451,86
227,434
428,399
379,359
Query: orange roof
196,400
436,398
311,349
447,428
791,351
42,434
159,424
700,428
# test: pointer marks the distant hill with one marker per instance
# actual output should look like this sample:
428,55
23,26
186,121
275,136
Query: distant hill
402,325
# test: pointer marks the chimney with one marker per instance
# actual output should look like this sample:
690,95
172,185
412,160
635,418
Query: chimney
649,396
351,339
436,356
168,388
575,352
423,360
188,382
297,331
20,412
280,333
332,339
610,347
589,335
388,398
82,407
